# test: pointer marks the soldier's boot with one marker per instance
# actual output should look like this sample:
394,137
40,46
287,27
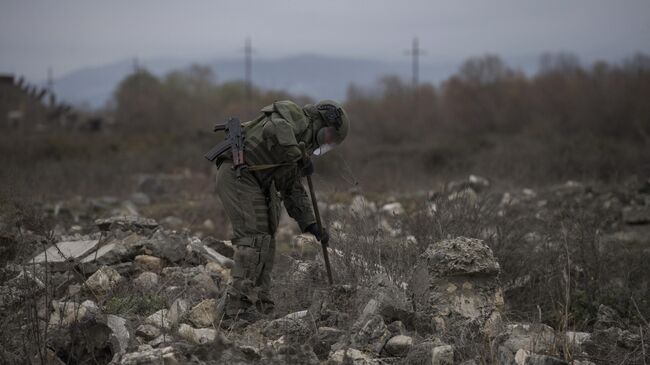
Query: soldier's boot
236,309
241,300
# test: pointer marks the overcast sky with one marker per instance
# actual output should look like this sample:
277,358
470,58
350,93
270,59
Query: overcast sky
71,34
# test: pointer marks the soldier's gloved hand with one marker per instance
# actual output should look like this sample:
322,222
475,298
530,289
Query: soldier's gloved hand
306,167
321,235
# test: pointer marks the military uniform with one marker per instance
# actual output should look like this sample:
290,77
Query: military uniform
252,201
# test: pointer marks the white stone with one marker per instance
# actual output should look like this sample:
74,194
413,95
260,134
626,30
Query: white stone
103,280
521,356
197,335
355,356
166,355
393,208
297,315
159,319
177,310
120,335
66,313
147,280
204,314
442,355
399,345
361,207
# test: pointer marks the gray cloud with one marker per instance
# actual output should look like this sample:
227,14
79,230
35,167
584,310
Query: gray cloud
70,34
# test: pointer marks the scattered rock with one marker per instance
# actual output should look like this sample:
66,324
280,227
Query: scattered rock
533,338
396,328
147,281
103,280
467,195
304,241
361,207
292,329
474,182
116,249
349,356
167,245
147,331
166,355
120,336
204,314
636,214
458,280
68,313
372,335
577,340
197,335
399,345
223,247
393,208
211,255
297,315
431,353
478,183
205,284
65,251
159,319
326,337
177,311
50,359
161,340
224,273
607,317
127,223
149,263
523,357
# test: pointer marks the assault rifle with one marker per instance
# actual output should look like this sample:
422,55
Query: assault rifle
234,141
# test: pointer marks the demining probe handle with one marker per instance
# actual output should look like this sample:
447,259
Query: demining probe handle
314,202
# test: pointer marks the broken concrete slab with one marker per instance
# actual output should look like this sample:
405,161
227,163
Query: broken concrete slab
65,251
116,250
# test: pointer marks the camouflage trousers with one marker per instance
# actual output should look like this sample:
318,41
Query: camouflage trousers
253,214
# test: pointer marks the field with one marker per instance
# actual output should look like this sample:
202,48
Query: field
548,175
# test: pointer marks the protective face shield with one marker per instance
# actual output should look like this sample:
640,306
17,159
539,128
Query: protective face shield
334,129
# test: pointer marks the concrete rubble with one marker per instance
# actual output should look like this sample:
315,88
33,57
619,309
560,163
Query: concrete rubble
147,295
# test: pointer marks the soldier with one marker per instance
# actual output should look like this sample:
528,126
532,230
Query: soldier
275,164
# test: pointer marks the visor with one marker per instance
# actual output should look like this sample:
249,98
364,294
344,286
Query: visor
326,139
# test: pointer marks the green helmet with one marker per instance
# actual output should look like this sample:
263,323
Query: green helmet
330,124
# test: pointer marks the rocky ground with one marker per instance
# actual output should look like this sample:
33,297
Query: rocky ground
439,277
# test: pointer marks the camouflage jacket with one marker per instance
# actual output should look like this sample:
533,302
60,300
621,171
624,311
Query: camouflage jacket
272,153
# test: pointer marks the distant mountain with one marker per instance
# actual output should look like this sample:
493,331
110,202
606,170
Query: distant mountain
317,76
313,75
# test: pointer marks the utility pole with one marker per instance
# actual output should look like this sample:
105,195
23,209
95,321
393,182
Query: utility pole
415,53
248,65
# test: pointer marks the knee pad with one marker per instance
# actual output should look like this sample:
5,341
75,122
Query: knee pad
250,254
